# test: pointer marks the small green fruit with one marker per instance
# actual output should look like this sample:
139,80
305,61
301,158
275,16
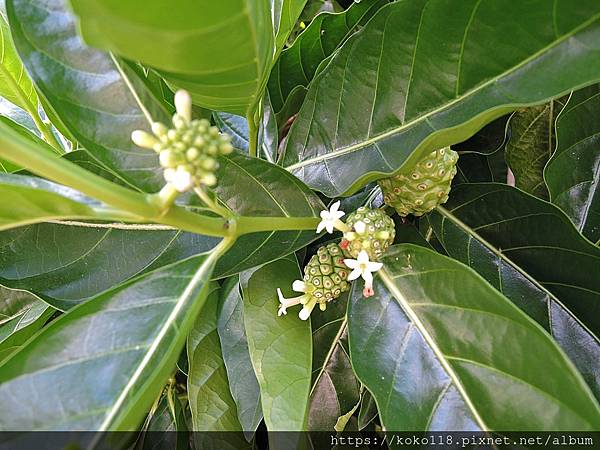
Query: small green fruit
371,230
425,186
326,275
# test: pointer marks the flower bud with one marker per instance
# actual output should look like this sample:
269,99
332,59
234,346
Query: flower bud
183,104
143,139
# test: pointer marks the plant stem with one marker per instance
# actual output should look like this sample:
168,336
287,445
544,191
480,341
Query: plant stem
130,205
247,224
253,136
32,110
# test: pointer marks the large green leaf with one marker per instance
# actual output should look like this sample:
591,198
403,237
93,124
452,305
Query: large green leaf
236,355
65,263
441,349
219,51
280,347
531,144
573,173
94,96
335,390
419,76
15,84
298,64
30,200
213,408
111,356
529,251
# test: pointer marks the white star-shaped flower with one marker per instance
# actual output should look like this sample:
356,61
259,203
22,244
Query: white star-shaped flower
362,267
331,219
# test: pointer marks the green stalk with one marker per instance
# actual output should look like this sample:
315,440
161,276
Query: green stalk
253,136
130,205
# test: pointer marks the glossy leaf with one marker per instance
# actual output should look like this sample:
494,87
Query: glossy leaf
213,408
298,64
236,356
165,426
89,91
15,84
280,347
529,251
441,349
21,316
112,355
21,122
32,200
573,172
531,144
335,389
237,128
285,16
219,51
67,263
419,77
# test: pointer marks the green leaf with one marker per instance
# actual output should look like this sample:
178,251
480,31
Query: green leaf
213,408
219,51
165,426
236,355
298,64
15,84
531,144
237,128
530,251
280,347
112,355
94,95
67,263
419,77
335,390
21,316
32,200
573,172
441,349
285,16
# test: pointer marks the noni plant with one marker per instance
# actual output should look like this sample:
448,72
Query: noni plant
299,215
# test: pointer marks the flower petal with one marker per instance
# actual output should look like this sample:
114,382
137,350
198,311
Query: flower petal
363,257
329,227
374,266
368,277
334,207
299,286
356,273
351,263
321,225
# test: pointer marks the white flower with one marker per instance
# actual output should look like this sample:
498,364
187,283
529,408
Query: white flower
331,219
183,104
364,268
308,302
181,179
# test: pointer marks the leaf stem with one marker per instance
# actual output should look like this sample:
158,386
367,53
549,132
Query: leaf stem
213,205
32,110
246,224
252,136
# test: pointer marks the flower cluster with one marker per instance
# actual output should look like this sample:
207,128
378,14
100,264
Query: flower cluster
367,235
188,152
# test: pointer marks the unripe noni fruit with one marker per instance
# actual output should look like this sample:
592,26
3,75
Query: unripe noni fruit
371,230
421,188
326,275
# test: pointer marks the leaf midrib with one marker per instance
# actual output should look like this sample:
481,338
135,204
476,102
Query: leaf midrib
414,318
406,125
469,231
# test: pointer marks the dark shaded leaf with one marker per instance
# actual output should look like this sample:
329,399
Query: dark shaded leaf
531,144
236,355
573,172
531,252
441,349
